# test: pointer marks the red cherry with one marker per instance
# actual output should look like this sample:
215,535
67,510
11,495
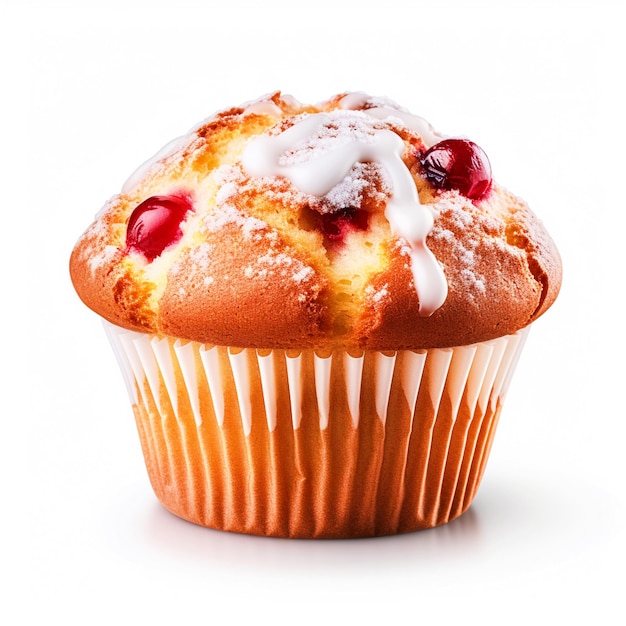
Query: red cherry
459,164
336,225
155,224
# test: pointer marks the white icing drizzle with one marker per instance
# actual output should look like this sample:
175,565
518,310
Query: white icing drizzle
264,107
135,178
357,100
322,169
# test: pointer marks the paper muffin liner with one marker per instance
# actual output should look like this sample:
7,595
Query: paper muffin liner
297,444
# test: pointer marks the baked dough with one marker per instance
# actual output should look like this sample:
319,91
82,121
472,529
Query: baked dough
267,260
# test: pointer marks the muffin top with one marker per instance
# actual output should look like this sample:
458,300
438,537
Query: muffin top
349,224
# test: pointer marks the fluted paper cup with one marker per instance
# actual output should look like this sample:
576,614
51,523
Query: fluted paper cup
298,444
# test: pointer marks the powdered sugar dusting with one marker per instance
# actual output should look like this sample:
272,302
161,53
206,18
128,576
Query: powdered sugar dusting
319,151
350,191
198,262
232,183
200,256
279,263
103,258
226,212
472,279
387,109
303,274
344,127
456,217
99,253
379,295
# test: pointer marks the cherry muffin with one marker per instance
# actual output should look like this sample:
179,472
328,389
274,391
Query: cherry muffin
317,310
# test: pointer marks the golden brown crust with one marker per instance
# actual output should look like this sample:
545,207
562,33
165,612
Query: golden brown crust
258,298
254,269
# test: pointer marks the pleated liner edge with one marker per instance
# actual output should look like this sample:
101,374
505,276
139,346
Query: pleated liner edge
289,444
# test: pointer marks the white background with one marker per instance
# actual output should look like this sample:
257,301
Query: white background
91,92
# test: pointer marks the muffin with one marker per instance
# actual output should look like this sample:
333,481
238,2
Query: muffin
317,310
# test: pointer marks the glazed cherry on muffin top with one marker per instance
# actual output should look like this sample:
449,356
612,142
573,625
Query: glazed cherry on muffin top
154,225
458,164
336,225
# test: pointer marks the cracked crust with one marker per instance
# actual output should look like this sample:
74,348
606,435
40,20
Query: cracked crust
254,267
